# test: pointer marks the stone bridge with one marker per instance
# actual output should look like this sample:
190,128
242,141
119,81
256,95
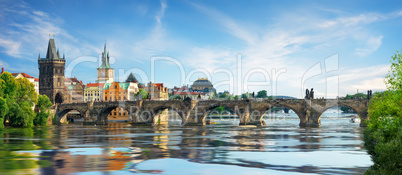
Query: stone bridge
193,112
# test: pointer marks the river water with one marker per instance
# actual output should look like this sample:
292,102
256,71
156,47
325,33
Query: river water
280,147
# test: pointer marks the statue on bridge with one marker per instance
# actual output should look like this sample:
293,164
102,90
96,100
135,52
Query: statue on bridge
307,94
369,94
312,94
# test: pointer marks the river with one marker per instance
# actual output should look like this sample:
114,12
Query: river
280,147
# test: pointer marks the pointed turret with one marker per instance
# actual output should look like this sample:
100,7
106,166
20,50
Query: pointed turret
38,56
51,50
131,78
64,56
105,59
52,53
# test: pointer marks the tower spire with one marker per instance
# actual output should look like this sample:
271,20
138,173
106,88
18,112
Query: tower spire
51,50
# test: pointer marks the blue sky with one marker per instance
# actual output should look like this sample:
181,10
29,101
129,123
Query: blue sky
336,47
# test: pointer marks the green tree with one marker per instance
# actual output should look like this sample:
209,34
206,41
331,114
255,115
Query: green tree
43,103
10,84
2,87
223,96
42,108
236,97
26,92
19,96
383,135
262,94
394,76
244,96
3,111
142,93
177,98
355,96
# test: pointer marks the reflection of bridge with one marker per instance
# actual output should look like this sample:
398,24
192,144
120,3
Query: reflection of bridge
193,112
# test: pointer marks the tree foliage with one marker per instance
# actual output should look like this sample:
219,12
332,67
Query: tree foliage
142,94
10,85
17,101
26,92
262,94
355,96
383,135
394,76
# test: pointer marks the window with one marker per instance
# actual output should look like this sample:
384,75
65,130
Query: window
105,98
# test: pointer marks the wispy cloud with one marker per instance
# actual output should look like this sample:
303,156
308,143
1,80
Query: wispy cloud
277,46
11,47
230,25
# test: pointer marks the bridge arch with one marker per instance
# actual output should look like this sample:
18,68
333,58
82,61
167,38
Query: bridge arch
153,115
280,105
104,112
62,114
359,113
211,108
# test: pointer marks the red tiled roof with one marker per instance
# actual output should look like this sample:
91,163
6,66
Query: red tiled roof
158,85
23,74
36,79
95,85
71,80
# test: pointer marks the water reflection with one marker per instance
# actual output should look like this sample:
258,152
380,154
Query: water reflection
281,147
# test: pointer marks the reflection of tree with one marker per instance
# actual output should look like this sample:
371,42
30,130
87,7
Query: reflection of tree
13,162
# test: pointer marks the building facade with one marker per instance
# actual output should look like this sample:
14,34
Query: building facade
93,92
75,93
51,74
116,92
156,91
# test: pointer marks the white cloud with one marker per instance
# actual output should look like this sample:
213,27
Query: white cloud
231,25
11,47
371,45
278,46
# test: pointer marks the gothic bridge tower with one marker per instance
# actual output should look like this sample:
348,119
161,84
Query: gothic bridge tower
51,74
105,71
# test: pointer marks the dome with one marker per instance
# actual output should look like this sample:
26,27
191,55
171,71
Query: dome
202,82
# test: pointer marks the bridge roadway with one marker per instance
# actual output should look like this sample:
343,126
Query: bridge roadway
194,112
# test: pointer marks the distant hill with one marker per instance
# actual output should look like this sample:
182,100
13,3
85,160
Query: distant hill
282,97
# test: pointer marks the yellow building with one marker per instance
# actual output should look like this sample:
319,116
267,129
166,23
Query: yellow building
93,92
156,91
119,92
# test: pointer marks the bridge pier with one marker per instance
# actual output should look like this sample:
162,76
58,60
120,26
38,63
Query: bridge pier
310,118
196,119
363,118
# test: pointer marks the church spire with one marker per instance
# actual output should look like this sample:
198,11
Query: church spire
105,58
